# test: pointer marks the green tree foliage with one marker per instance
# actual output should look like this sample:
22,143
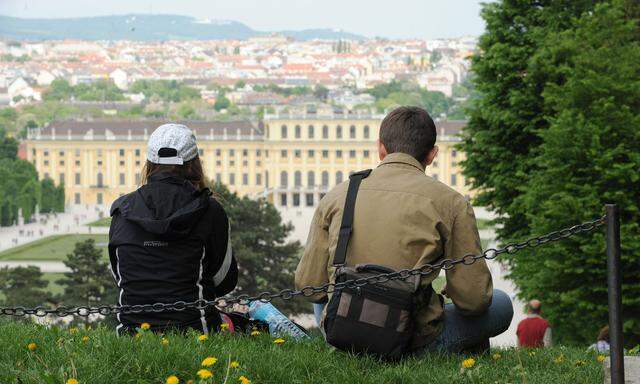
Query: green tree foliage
221,102
284,91
267,261
19,188
23,286
89,281
166,90
505,120
553,137
52,199
394,94
61,90
589,156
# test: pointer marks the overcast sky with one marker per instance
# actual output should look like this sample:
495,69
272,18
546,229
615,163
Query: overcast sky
388,18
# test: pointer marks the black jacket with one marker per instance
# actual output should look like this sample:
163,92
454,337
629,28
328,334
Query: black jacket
169,242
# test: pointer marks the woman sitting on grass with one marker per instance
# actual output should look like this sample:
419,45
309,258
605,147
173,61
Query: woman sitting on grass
169,240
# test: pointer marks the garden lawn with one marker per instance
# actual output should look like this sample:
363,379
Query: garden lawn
104,222
52,248
51,278
98,356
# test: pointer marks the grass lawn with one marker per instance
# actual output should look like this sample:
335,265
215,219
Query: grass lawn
104,358
104,222
52,248
51,278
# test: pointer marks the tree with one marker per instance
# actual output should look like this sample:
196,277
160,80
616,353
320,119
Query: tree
23,286
589,156
266,260
506,120
89,281
221,102
52,199
321,92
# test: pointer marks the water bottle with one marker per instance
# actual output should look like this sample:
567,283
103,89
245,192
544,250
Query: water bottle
279,324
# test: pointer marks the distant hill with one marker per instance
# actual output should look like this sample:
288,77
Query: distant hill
146,27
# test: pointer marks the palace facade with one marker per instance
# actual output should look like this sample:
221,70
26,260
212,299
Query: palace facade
290,159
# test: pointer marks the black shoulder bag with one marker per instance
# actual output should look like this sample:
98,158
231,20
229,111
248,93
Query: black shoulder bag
376,318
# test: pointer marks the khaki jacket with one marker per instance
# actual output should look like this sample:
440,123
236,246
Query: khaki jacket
403,219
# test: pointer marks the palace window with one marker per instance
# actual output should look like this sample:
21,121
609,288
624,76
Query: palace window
311,179
339,132
298,132
352,132
325,179
325,132
297,179
284,179
366,132
283,132
310,132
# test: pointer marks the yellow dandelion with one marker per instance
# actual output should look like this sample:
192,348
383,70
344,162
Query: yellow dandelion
209,361
532,353
496,356
138,335
204,374
73,330
600,358
32,346
85,339
278,341
189,381
255,333
145,326
559,359
580,363
244,380
173,379
468,363
234,364
224,327
164,341
203,338
72,381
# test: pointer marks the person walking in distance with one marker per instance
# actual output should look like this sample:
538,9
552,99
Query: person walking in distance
534,331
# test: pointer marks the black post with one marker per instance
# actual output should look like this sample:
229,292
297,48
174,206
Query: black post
615,295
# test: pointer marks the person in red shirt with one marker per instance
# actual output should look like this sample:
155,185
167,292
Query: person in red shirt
534,331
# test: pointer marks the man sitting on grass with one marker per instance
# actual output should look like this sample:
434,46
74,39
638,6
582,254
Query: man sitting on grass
405,219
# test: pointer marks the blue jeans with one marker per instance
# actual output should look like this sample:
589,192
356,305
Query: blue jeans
462,332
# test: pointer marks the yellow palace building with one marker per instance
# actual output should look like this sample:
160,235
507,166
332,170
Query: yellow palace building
292,159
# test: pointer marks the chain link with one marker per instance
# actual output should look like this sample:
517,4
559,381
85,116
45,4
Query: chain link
288,294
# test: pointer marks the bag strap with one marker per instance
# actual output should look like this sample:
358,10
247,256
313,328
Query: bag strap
346,227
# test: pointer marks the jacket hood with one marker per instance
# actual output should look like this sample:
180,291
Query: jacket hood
167,205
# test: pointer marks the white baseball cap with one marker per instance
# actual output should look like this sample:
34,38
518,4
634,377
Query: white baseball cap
172,144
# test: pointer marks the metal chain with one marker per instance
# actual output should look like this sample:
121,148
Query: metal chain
287,294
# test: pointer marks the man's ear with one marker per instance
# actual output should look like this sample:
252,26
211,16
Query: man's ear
431,155
382,151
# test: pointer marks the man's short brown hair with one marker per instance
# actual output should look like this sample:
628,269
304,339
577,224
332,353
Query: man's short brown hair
408,130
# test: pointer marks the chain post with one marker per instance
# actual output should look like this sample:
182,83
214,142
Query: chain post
614,293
